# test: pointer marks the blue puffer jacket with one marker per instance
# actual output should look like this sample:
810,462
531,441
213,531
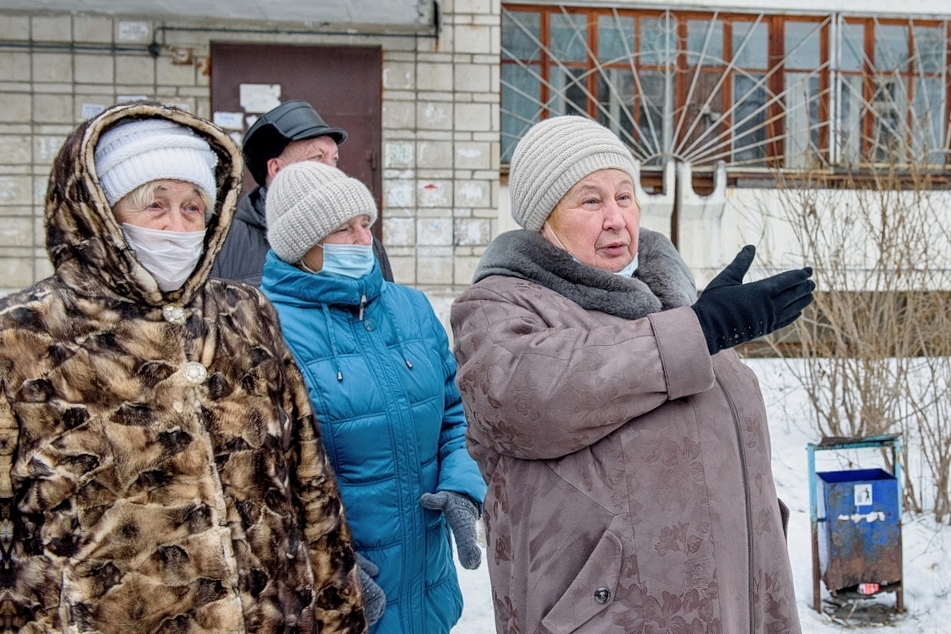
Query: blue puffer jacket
382,381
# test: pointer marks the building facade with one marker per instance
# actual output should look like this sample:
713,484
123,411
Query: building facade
716,99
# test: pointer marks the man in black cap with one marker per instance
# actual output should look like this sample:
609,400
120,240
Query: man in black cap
289,133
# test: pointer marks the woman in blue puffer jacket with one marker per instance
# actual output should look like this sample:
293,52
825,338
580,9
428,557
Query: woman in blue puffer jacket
382,381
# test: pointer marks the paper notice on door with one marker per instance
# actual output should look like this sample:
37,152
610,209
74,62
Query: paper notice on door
259,98
229,120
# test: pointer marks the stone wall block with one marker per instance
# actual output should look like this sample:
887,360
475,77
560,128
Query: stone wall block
51,28
474,117
434,154
14,65
16,232
399,76
16,107
434,270
434,77
16,150
473,78
399,232
52,67
398,115
434,115
473,156
135,69
15,27
169,74
475,39
91,28
471,232
471,193
399,154
434,231
93,69
434,193
399,193
15,273
16,190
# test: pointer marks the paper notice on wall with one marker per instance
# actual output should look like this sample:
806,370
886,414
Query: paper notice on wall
259,98
229,120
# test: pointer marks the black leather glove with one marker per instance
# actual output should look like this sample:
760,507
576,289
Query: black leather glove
731,312
461,514
374,600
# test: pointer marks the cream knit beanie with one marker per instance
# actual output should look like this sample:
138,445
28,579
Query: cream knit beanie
552,157
306,201
137,152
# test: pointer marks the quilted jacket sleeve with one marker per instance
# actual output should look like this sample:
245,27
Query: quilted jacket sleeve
541,381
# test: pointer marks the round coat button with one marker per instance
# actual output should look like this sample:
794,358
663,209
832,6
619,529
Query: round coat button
195,373
602,595
174,314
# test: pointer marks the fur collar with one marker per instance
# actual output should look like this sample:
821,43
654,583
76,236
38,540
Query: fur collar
662,280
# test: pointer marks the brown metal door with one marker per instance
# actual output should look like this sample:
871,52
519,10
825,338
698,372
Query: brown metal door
343,83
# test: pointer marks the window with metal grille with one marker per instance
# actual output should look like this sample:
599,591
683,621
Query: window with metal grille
754,90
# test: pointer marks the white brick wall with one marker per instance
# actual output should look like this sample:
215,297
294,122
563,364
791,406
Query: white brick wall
439,115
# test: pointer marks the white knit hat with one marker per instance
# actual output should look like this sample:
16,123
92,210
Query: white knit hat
137,152
306,201
552,157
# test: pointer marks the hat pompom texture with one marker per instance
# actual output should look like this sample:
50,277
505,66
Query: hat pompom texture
552,157
307,201
138,152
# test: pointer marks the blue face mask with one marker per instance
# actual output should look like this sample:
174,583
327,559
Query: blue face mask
349,260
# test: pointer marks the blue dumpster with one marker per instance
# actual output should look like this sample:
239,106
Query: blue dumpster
860,538
856,523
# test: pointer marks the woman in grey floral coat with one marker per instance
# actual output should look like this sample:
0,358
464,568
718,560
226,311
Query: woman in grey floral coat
624,443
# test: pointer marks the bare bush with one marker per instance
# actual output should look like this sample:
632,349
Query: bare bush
877,341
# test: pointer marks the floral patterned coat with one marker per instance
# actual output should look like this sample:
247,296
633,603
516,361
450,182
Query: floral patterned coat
629,471
160,466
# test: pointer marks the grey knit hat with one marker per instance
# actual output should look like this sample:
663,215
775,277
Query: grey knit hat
306,201
552,157
137,152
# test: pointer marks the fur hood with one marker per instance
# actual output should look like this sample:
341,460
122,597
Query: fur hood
83,238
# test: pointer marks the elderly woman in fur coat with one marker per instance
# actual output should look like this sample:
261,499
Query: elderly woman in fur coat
624,443
161,466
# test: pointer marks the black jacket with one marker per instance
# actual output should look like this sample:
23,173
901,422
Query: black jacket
242,257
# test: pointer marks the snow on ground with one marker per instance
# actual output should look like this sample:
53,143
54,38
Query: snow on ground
926,562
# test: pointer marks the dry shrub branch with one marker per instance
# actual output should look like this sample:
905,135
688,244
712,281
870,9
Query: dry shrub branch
876,345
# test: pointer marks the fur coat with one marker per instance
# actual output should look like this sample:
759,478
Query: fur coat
630,485
160,466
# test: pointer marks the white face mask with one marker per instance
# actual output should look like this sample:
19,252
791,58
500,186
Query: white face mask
627,271
170,256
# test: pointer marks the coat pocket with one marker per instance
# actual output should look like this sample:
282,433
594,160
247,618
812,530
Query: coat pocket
591,591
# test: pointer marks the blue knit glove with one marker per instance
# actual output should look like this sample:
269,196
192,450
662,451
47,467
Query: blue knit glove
461,514
374,600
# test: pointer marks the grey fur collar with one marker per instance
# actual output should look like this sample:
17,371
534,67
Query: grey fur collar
662,279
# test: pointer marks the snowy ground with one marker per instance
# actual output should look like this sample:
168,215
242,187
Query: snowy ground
927,564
